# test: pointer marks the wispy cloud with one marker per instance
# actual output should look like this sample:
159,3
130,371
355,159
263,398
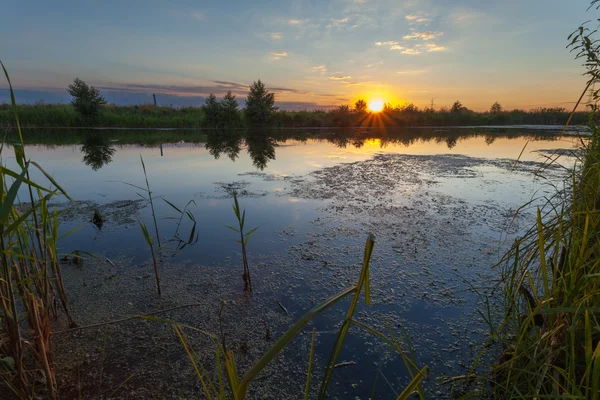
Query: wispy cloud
412,49
295,21
359,1
393,45
434,47
319,68
278,55
275,35
423,35
417,18
339,78
338,23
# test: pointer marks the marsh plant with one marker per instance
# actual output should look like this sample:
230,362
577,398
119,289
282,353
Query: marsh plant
243,241
31,283
154,246
549,330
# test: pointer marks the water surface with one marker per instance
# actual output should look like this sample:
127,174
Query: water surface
441,203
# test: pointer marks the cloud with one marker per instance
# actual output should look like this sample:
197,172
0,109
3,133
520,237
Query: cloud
319,68
275,35
339,77
388,43
295,21
338,23
278,55
359,1
174,95
418,18
434,47
412,49
423,35
393,45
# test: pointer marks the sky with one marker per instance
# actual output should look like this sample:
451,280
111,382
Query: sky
310,53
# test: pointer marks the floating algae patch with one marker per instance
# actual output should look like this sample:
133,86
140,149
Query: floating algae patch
113,213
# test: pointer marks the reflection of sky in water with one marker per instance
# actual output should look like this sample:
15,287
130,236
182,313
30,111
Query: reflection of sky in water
188,171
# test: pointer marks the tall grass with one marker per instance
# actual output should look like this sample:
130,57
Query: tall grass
31,281
550,328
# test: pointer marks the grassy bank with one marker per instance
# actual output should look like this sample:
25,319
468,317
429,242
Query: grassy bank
149,116
548,331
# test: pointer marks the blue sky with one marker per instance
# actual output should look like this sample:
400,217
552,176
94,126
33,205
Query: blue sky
310,53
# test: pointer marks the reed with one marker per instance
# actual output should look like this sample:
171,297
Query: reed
549,328
244,237
147,196
31,283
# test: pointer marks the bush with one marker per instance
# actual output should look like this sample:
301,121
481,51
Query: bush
86,99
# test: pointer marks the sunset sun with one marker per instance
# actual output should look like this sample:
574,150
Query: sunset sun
376,105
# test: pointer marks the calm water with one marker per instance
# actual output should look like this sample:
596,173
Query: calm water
440,202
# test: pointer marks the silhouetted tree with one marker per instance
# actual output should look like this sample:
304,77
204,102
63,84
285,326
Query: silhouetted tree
341,116
86,99
360,106
212,111
229,110
496,108
97,151
457,107
260,105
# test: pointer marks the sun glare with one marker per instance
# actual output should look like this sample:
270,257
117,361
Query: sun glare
376,105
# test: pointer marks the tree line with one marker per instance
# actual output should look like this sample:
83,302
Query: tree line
260,111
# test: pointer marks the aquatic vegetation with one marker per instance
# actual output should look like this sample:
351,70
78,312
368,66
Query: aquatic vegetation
244,237
549,327
31,282
239,387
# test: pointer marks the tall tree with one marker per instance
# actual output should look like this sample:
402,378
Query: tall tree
229,109
212,111
260,105
496,108
360,106
457,107
86,99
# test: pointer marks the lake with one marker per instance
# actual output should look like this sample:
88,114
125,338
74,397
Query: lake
441,203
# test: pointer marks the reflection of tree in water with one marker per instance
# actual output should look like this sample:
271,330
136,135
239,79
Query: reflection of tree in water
261,148
489,139
97,151
227,142
451,142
